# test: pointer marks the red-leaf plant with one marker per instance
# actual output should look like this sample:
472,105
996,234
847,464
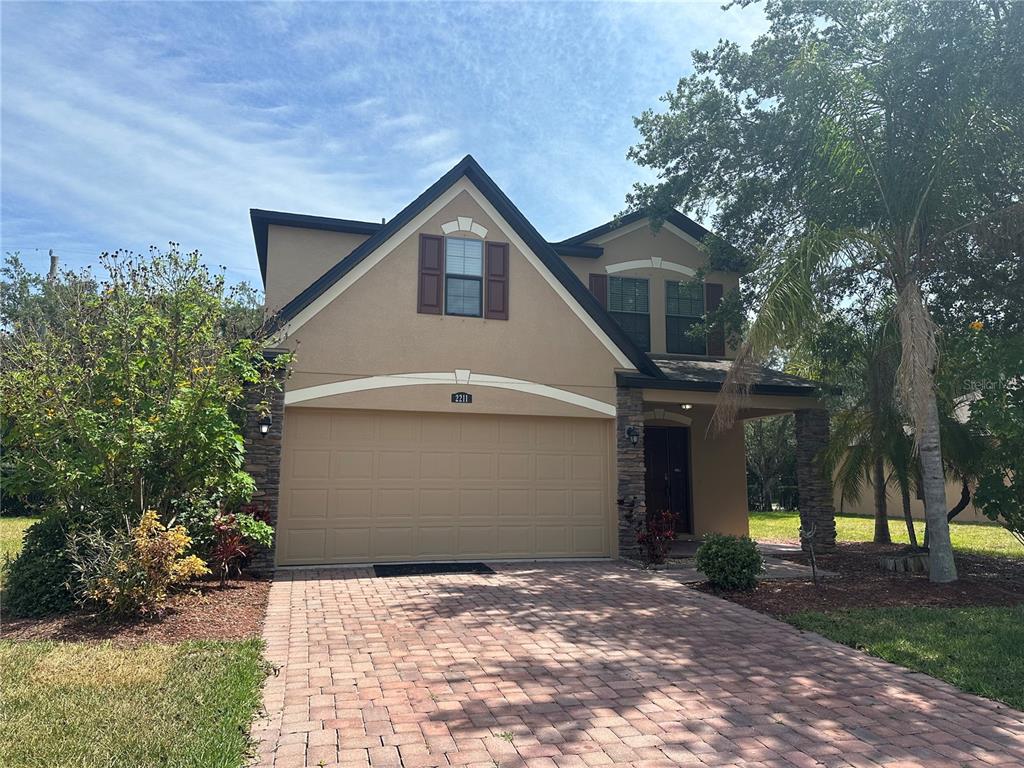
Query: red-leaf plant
656,536
229,548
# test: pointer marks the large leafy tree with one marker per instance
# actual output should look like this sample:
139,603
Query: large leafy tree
122,393
852,150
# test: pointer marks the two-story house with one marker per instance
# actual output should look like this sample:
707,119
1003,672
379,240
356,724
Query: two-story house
464,389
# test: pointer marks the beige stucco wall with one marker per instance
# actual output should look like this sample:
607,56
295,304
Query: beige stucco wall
296,257
641,243
373,328
719,475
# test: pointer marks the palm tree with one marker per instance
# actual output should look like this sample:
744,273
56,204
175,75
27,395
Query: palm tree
860,356
849,152
871,442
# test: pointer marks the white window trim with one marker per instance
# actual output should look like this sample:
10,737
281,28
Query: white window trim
414,226
458,377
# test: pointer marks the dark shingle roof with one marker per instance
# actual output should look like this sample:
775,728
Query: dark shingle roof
708,375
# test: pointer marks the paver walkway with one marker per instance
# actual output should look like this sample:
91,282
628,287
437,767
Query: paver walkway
684,569
588,665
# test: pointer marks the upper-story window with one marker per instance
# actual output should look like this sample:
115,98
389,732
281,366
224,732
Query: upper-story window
464,277
684,308
464,269
629,303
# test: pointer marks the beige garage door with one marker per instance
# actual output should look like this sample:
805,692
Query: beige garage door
368,486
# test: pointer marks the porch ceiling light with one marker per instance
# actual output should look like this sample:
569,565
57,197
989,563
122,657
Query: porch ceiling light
633,434
686,406
265,423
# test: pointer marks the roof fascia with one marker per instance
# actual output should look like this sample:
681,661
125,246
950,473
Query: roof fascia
642,382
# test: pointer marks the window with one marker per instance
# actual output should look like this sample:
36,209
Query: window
628,303
464,268
684,308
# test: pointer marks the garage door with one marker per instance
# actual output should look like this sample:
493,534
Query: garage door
371,486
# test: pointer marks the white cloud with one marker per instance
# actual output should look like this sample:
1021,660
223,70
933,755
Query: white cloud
134,124
432,142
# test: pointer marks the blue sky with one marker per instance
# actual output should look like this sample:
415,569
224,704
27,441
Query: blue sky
127,125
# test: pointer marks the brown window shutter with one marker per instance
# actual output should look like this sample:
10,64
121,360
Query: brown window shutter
599,287
496,277
716,336
430,289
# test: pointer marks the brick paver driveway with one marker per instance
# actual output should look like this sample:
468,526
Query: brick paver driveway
588,665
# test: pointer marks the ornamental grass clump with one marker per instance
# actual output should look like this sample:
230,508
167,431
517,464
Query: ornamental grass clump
729,562
131,571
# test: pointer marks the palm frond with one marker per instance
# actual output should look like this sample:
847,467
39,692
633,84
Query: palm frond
854,471
789,305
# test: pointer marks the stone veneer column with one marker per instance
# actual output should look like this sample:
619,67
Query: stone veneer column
263,459
812,435
632,492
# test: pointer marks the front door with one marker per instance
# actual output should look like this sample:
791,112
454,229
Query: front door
667,459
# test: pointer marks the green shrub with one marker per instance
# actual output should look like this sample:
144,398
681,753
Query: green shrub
35,582
729,562
131,571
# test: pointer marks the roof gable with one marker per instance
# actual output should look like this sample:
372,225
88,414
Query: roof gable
261,221
352,266
686,226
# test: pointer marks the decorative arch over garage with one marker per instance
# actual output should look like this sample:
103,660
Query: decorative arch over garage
447,378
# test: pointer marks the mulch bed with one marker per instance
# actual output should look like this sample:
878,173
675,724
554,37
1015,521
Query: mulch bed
861,583
204,612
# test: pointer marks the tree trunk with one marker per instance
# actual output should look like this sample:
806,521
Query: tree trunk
965,499
882,535
941,566
918,359
908,518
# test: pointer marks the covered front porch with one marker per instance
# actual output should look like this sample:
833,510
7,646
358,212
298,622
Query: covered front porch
670,457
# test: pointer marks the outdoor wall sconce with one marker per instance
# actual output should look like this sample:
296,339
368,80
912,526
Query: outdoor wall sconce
633,434
265,423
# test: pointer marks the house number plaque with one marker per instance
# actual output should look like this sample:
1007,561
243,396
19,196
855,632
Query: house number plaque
462,397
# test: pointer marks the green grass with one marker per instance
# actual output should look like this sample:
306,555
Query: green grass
12,531
976,649
154,705
979,538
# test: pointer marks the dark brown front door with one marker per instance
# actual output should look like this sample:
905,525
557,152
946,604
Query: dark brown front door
667,459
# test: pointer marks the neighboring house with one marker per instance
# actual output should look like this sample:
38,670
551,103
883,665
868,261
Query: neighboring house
865,505
463,388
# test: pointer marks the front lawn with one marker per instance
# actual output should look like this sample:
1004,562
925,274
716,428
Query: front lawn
12,531
979,538
977,649
89,704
